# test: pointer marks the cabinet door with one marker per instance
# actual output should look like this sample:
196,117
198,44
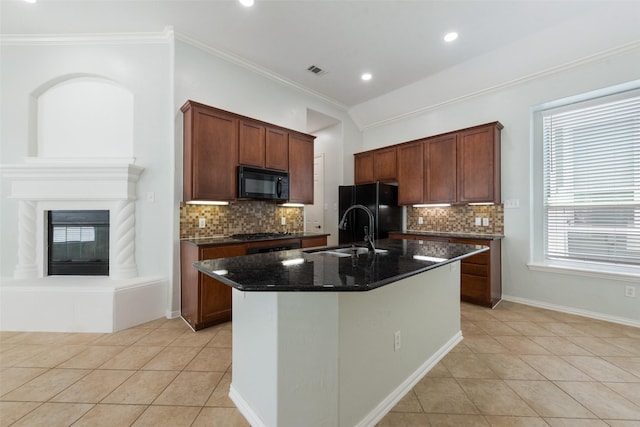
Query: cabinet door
210,155
310,242
410,173
440,169
251,144
479,164
384,164
277,149
363,168
215,297
300,169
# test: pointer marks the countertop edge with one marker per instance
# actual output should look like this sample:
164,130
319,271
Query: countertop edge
454,234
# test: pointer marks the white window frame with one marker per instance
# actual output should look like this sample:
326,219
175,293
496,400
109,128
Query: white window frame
538,261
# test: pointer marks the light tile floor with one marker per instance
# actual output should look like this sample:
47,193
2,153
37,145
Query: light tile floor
517,366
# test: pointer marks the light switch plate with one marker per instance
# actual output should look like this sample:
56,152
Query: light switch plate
485,222
478,221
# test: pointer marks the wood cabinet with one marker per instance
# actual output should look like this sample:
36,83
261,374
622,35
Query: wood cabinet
204,300
363,168
262,147
440,173
251,144
300,168
210,154
457,167
277,149
410,173
479,164
216,142
385,164
310,242
480,275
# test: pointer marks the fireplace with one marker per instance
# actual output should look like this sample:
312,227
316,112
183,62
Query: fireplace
78,243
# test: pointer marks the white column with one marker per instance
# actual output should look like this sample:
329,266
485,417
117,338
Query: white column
26,267
122,261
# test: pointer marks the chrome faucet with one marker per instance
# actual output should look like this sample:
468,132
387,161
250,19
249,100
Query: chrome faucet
368,231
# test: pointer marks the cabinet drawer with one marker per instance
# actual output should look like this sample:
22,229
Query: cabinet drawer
475,269
213,252
473,287
481,259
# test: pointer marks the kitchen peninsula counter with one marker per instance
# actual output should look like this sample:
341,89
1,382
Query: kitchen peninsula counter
324,339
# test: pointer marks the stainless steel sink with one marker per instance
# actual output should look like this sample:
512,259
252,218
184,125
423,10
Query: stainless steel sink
344,252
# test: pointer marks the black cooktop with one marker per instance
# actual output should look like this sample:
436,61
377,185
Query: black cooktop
256,236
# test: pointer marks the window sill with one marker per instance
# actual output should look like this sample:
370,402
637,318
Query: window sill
600,271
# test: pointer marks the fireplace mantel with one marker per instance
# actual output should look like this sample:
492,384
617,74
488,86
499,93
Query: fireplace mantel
57,184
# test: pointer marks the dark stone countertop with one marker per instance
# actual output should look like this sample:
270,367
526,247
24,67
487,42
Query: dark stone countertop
311,270
453,234
228,240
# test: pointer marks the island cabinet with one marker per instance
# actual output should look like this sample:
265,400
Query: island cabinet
410,173
204,300
481,274
479,164
300,168
262,146
210,153
310,242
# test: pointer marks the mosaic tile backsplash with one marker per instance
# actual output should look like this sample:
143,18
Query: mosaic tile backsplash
457,219
245,216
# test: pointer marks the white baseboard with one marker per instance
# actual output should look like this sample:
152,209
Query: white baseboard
383,408
247,412
571,310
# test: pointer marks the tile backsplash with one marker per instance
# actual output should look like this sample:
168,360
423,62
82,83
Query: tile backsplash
457,218
244,216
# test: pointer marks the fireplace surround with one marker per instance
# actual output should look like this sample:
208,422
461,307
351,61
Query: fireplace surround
35,300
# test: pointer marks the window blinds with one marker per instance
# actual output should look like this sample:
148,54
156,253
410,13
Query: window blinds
591,169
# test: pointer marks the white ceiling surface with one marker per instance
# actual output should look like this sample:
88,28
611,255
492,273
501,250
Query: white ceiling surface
399,42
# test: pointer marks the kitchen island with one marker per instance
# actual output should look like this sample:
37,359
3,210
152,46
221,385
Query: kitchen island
325,337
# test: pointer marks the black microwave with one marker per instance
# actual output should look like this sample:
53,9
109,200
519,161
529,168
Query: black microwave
254,183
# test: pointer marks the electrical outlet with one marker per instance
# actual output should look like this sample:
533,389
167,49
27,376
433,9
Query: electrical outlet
396,341
478,221
283,221
151,196
202,222
485,222
630,291
420,220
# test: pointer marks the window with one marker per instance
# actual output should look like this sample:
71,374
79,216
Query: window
591,180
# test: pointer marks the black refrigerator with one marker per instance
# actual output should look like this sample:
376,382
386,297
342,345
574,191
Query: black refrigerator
381,199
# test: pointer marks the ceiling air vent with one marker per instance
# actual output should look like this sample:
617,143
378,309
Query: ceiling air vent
316,70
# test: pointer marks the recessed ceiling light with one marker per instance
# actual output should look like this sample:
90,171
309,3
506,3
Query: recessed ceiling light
246,3
30,1
449,37
366,77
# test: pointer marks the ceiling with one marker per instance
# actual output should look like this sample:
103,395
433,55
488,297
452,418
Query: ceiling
398,42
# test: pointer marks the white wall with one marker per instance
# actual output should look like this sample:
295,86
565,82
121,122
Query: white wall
511,105
145,69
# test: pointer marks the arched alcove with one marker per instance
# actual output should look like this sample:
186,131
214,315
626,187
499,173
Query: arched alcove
85,117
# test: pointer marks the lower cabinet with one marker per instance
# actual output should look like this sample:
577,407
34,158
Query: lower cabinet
204,300
310,242
481,274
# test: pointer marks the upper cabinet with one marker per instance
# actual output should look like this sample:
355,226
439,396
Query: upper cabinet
376,165
457,167
479,164
410,173
300,168
277,149
210,155
216,142
440,178
363,168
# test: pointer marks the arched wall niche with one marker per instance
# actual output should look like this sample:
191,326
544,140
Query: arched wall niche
83,116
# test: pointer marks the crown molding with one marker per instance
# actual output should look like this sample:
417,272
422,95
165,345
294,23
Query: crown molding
86,39
257,69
